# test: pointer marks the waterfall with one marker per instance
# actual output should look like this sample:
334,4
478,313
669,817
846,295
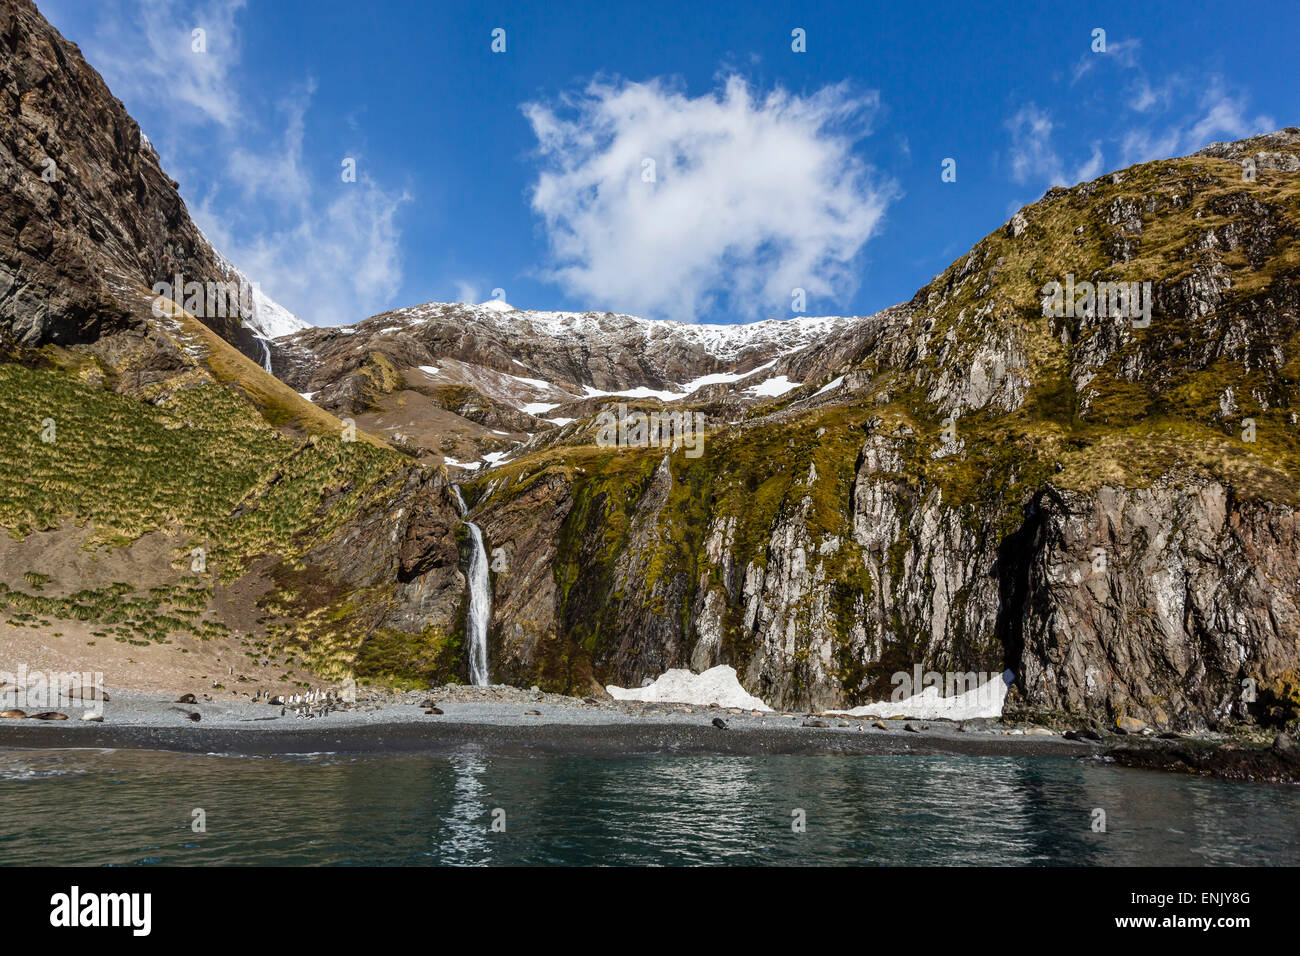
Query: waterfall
480,609
480,600
266,353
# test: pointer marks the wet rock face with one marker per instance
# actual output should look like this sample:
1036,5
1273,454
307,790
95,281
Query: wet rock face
1158,603
85,207
528,644
397,561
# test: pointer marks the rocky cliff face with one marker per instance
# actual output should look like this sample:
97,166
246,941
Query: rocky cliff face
1161,602
1086,500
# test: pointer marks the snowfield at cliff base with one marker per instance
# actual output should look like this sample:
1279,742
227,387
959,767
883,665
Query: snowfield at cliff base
983,701
717,685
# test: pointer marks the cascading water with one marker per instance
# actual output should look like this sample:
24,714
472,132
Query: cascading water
480,601
480,609
266,353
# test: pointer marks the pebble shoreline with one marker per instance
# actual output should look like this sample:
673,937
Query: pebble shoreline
514,720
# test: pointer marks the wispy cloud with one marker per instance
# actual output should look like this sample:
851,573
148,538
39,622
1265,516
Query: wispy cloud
1183,125
144,46
749,197
467,291
328,250
1033,155
1147,119
1122,54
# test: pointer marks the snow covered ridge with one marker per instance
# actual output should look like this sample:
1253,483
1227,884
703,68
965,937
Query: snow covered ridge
721,341
270,319
717,685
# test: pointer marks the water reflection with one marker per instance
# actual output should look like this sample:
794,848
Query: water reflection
123,807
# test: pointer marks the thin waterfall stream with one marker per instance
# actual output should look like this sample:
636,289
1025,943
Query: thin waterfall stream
480,601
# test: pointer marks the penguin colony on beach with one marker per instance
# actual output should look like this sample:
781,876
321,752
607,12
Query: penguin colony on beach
312,703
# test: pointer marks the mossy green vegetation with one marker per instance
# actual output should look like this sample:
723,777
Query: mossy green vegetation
202,463
121,612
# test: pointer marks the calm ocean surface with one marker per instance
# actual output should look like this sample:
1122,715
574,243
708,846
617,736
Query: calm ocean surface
136,808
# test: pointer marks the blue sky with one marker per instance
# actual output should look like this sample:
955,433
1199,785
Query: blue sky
773,169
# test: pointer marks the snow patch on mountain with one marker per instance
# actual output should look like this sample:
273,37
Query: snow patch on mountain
829,386
773,387
270,319
723,342
537,408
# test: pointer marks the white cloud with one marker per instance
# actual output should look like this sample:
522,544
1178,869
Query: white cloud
145,46
752,196
335,263
1224,115
1123,53
1148,119
467,291
1143,145
1034,158
1146,98
1217,114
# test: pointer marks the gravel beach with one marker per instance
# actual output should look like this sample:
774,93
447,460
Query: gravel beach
510,719
514,721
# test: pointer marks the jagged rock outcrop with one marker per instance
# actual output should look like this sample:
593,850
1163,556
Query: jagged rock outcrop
1175,604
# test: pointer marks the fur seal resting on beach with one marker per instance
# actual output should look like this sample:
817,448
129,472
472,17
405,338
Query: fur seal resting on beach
14,714
49,715
434,710
187,699
88,693
719,723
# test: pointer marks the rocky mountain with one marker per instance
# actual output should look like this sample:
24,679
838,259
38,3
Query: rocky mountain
165,492
467,385
1103,504
1072,455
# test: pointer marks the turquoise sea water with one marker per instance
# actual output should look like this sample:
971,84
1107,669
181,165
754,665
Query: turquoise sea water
137,808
